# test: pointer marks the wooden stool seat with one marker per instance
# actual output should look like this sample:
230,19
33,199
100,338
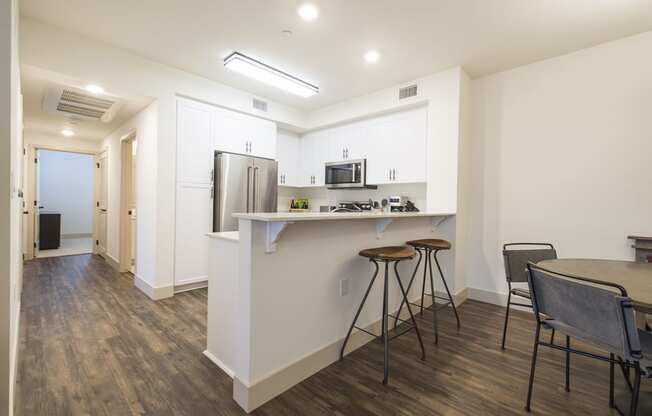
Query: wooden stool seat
392,253
430,243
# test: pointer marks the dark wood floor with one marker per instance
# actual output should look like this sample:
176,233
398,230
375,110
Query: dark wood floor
92,344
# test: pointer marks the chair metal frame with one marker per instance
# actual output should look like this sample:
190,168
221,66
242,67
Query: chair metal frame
508,276
625,365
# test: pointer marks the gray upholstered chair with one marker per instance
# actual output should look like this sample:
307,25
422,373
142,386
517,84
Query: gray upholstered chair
596,313
517,256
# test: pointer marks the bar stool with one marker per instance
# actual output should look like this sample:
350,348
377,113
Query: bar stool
426,247
386,255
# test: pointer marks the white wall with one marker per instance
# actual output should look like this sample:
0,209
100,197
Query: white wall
10,201
66,187
145,124
561,152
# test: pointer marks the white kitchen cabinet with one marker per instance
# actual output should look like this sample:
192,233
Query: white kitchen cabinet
239,133
288,157
315,152
397,148
194,142
194,218
349,142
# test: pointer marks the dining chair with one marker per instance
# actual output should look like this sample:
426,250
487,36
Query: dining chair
517,256
597,313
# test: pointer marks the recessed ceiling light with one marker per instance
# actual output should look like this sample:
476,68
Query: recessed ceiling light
269,75
94,89
67,132
372,56
308,11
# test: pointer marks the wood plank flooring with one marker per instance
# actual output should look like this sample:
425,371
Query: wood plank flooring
93,344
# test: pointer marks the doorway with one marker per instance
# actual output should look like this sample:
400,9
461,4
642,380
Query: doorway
128,208
63,203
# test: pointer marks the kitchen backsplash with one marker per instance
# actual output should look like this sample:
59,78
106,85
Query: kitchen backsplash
322,196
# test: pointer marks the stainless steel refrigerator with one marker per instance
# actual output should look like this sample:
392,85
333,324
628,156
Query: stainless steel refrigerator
242,184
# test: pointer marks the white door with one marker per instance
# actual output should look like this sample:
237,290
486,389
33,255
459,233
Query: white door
194,142
287,155
229,135
37,204
262,137
408,132
102,203
194,221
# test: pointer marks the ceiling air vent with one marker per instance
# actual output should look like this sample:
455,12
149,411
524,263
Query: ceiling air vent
407,92
260,105
74,103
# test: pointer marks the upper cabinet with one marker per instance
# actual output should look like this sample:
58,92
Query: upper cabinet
239,133
288,157
194,143
394,146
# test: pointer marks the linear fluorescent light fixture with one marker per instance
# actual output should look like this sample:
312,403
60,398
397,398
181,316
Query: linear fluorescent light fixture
272,76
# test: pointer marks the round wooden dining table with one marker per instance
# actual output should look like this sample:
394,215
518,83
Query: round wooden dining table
636,278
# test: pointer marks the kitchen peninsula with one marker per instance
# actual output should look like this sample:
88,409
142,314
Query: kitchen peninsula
283,290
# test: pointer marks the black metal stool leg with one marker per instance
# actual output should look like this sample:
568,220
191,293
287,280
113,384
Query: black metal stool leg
357,314
567,386
414,274
457,317
414,322
423,286
385,336
434,302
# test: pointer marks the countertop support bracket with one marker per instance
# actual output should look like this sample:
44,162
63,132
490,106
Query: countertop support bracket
381,225
274,230
437,221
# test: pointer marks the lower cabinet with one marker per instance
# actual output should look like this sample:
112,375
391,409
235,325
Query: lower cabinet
194,218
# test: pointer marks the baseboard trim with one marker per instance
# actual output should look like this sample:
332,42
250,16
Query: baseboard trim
218,363
252,396
154,293
200,284
15,352
494,298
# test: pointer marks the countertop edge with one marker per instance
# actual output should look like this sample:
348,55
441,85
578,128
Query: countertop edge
227,235
317,216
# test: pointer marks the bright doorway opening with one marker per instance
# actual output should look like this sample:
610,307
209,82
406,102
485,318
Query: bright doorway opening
63,213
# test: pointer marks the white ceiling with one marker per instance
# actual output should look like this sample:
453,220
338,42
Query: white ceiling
35,82
415,37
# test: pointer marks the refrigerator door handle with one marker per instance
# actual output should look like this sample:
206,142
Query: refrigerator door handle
248,182
255,194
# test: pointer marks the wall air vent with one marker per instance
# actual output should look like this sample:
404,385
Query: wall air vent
407,92
78,104
260,105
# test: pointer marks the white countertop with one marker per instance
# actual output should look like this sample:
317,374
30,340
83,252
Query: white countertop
226,235
320,216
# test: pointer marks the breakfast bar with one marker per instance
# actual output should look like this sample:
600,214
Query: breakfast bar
284,289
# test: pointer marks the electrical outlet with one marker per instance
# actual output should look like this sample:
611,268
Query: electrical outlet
344,287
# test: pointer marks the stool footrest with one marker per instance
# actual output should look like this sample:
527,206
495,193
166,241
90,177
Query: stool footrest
403,332
368,332
397,318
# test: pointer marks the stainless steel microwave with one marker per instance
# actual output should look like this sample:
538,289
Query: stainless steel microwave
347,174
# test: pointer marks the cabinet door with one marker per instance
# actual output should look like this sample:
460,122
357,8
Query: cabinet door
322,153
380,155
229,134
409,133
262,137
287,155
194,219
307,162
194,143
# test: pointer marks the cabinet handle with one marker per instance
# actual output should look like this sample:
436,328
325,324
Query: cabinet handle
394,174
390,174
343,154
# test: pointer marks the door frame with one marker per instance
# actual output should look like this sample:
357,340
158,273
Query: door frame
126,180
30,192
